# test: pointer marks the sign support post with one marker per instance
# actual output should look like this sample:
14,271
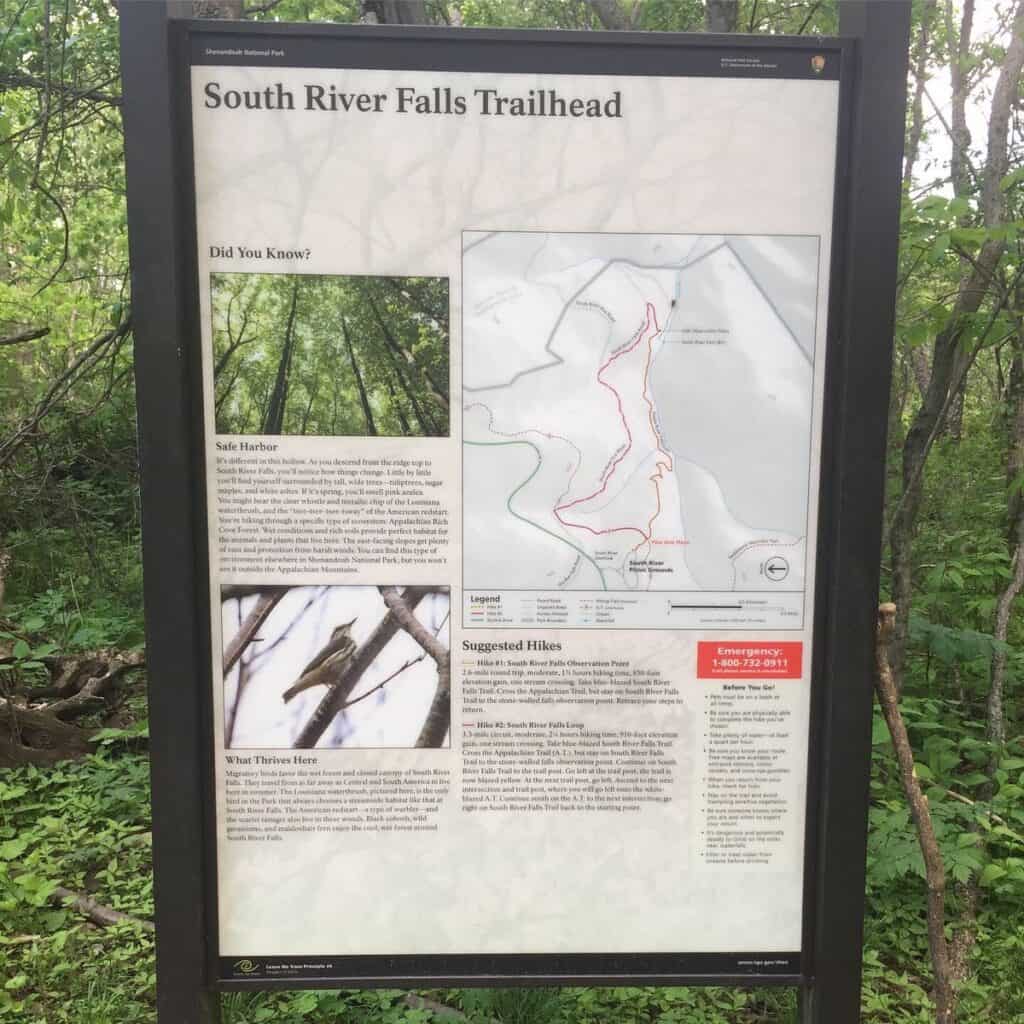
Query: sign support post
174,501
179,751
833,994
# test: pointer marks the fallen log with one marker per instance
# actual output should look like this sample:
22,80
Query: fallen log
28,736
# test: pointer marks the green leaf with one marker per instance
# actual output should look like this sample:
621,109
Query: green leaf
973,779
21,650
939,248
13,848
990,874
1011,179
959,206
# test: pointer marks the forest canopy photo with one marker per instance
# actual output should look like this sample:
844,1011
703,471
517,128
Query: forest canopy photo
316,355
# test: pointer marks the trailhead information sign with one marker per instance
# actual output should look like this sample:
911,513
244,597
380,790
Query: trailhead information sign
513,376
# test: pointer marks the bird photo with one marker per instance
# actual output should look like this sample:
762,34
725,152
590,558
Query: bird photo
326,668
337,667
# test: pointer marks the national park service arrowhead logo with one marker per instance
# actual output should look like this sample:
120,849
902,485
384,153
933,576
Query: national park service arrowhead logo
817,63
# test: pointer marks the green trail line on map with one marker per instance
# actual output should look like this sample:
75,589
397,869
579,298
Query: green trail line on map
530,522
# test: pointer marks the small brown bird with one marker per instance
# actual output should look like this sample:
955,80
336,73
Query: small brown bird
326,668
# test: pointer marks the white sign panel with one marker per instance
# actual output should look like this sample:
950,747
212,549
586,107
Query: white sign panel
513,390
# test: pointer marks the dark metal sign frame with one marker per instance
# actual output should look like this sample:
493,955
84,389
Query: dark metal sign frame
871,57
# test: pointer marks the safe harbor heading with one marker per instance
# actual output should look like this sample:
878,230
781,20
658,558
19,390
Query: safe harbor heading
405,99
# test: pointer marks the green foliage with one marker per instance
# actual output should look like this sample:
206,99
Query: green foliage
979,825
513,1005
85,827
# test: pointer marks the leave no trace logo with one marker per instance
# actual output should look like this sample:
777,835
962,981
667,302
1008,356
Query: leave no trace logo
246,966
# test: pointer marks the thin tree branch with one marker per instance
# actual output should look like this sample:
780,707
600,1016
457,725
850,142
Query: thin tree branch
412,625
352,671
381,685
96,95
935,872
30,335
267,602
810,14
438,720
96,912
59,388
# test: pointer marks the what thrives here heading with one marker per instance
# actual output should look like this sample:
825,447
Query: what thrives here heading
405,99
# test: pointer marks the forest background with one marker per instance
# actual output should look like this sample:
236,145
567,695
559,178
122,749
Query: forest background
75,881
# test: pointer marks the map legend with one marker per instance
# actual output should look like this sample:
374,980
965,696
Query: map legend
518,609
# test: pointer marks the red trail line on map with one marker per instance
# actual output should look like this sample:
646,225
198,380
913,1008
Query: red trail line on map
645,332
659,465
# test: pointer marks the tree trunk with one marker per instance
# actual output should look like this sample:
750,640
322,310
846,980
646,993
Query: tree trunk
920,69
34,737
935,872
404,353
397,403
610,14
995,719
959,47
371,427
721,15
427,427
235,342
394,12
274,421
309,406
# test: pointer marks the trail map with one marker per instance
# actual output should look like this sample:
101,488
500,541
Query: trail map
637,420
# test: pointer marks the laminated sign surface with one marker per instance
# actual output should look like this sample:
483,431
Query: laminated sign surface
513,371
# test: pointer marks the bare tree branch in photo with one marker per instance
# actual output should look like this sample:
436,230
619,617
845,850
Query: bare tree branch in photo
236,591
401,610
384,682
439,716
282,635
268,600
244,675
352,671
